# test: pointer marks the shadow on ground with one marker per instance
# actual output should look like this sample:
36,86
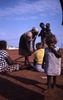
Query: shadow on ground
12,91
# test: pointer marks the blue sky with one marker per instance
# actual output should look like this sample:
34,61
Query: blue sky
19,16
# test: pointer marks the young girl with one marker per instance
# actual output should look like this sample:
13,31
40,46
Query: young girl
38,57
6,63
52,60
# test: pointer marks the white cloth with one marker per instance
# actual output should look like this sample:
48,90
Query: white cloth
38,67
52,63
3,55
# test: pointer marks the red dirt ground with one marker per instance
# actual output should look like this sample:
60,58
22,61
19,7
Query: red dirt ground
28,84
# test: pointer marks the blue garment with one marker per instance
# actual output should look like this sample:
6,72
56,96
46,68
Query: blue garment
39,68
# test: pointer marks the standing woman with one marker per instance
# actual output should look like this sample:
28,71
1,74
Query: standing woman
24,43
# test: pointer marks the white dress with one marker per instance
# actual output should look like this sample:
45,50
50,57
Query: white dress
52,63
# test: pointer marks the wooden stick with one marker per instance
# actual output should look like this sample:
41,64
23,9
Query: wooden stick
21,57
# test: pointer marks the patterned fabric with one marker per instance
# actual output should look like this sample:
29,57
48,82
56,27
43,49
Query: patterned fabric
10,68
3,55
3,64
13,67
52,63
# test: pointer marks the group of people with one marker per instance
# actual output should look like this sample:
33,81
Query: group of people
46,60
45,31
29,37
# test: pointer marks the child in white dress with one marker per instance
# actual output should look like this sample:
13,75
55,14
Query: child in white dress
52,60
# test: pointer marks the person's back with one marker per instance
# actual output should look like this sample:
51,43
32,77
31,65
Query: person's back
24,43
38,57
3,54
39,54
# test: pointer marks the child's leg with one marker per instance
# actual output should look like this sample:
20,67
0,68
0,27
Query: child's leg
49,81
54,81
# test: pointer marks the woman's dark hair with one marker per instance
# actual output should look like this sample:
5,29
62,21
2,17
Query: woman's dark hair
3,44
51,39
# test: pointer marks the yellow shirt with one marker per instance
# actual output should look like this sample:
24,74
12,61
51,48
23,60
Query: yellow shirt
39,55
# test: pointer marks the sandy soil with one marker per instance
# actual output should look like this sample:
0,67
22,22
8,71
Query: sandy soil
28,84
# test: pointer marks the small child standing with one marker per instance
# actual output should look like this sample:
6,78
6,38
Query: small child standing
48,30
38,57
6,63
42,33
52,61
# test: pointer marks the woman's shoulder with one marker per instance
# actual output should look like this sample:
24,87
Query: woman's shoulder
3,52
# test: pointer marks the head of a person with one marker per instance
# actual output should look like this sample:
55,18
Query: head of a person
39,45
51,40
3,45
42,25
35,31
48,25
